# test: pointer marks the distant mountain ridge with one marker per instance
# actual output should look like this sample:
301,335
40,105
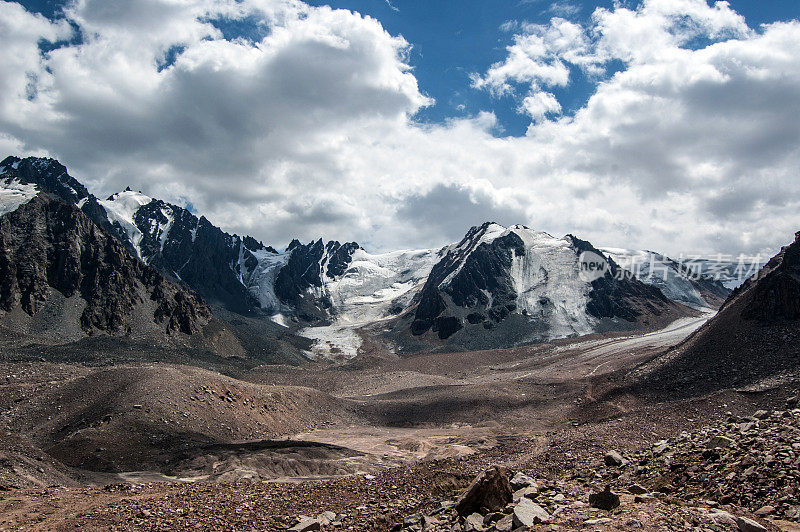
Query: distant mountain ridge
697,284
494,273
517,285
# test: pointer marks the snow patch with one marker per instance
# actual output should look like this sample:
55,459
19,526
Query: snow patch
333,341
260,282
13,194
548,286
280,319
165,227
121,208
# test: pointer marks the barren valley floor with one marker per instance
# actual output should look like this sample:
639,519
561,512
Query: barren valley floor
372,440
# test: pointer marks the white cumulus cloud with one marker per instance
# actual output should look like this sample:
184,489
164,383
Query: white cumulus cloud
305,126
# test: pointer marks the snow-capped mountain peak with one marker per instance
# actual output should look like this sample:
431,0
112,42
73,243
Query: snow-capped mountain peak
47,175
522,285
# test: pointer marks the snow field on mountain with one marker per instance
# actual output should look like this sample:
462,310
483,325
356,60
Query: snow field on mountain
121,208
548,285
373,284
261,281
13,194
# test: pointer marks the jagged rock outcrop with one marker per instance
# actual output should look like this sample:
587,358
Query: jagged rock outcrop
299,282
775,295
47,174
47,245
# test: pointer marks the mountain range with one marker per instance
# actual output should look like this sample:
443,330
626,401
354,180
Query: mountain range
131,255
148,351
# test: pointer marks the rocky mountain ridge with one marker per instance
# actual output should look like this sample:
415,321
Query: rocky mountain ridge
491,277
524,285
51,253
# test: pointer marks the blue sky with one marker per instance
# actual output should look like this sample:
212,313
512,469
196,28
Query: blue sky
452,39
660,124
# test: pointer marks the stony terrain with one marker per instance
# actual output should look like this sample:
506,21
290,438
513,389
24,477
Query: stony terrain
738,473
664,478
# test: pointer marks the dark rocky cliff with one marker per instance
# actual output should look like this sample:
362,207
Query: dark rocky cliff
47,245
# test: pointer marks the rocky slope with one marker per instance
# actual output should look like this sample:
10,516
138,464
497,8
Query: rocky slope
55,262
690,481
176,420
736,475
755,336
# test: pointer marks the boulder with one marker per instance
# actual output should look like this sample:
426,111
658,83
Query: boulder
521,480
306,525
636,489
529,492
597,521
605,500
474,523
748,525
528,513
722,517
506,524
326,518
490,490
614,459
720,441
